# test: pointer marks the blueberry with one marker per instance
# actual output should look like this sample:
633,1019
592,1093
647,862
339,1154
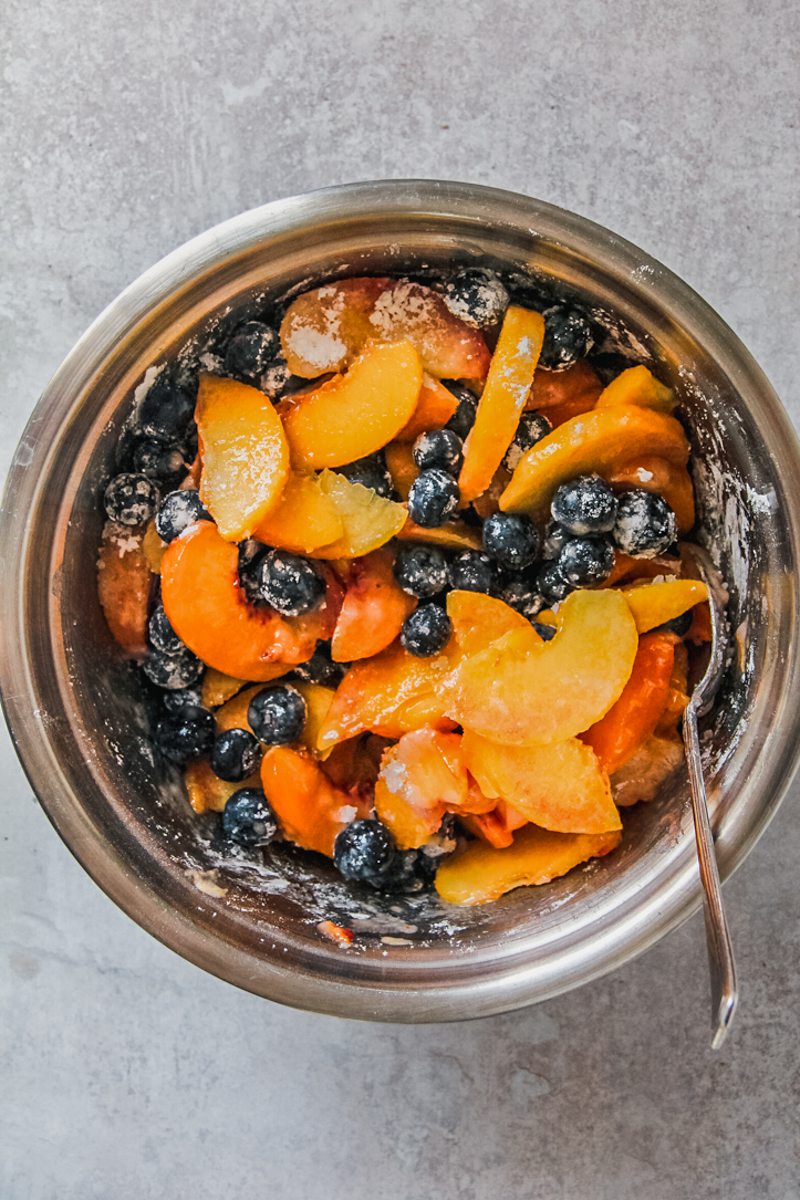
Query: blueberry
251,553
421,570
545,632
173,701
511,539
585,561
130,499
433,497
248,820
477,297
161,636
320,668
645,523
173,671
166,410
250,351
184,734
472,571
554,538
585,505
289,583
277,715
275,380
463,418
425,631
411,872
680,626
234,755
365,852
567,337
178,511
439,448
163,464
552,584
524,596
371,473
533,426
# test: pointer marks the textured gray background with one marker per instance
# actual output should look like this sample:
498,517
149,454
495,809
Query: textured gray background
126,128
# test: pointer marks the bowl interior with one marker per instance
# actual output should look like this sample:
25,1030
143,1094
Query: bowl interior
255,923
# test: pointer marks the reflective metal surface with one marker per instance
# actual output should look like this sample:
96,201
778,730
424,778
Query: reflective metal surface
76,712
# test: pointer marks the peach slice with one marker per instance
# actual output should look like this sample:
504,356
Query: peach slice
310,809
557,389
654,474
627,566
561,787
487,504
479,873
523,691
401,466
357,413
369,520
643,775
304,519
421,778
323,330
496,826
435,407
318,703
206,791
654,604
373,610
124,580
208,610
599,441
478,620
453,535
637,385
218,689
502,400
244,453
153,548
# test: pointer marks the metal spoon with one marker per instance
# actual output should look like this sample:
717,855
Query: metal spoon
720,950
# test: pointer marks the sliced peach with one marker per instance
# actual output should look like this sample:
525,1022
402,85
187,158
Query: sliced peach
655,474
318,703
310,809
581,402
368,519
421,778
502,400
357,413
323,330
354,765
153,548
643,775
488,503
627,567
637,385
453,535
304,519
480,873
561,786
244,453
496,826
654,603
599,441
678,696
523,691
208,610
373,610
401,466
124,581
478,620
557,389
206,791
218,688
435,406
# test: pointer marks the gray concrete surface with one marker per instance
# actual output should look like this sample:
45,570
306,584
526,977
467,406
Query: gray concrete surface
128,1074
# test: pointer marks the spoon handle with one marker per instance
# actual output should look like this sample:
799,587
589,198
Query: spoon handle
724,993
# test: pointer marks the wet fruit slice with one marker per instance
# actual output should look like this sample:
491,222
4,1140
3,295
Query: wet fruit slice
310,809
421,778
304,519
502,400
453,535
627,566
633,718
323,330
598,442
561,786
654,604
435,406
480,873
354,414
496,826
523,691
206,791
401,466
124,580
153,548
244,453
558,389
646,772
218,689
368,519
655,474
373,609
637,385
318,703
478,620
208,610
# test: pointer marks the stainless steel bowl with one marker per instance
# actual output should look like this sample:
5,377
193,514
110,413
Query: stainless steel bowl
79,723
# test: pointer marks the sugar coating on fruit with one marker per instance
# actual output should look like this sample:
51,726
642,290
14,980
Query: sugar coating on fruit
318,347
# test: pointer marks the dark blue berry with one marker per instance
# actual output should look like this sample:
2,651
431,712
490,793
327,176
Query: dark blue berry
178,511
364,852
421,571
184,734
545,632
250,351
173,671
567,337
585,561
411,872
426,631
439,448
130,499
476,296
166,410
511,539
645,523
680,626
289,583
371,473
320,668
160,634
463,418
533,426
433,497
552,584
585,505
248,820
554,538
524,596
277,715
173,701
163,464
472,571
235,755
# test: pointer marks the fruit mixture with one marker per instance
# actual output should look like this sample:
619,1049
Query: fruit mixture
405,570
